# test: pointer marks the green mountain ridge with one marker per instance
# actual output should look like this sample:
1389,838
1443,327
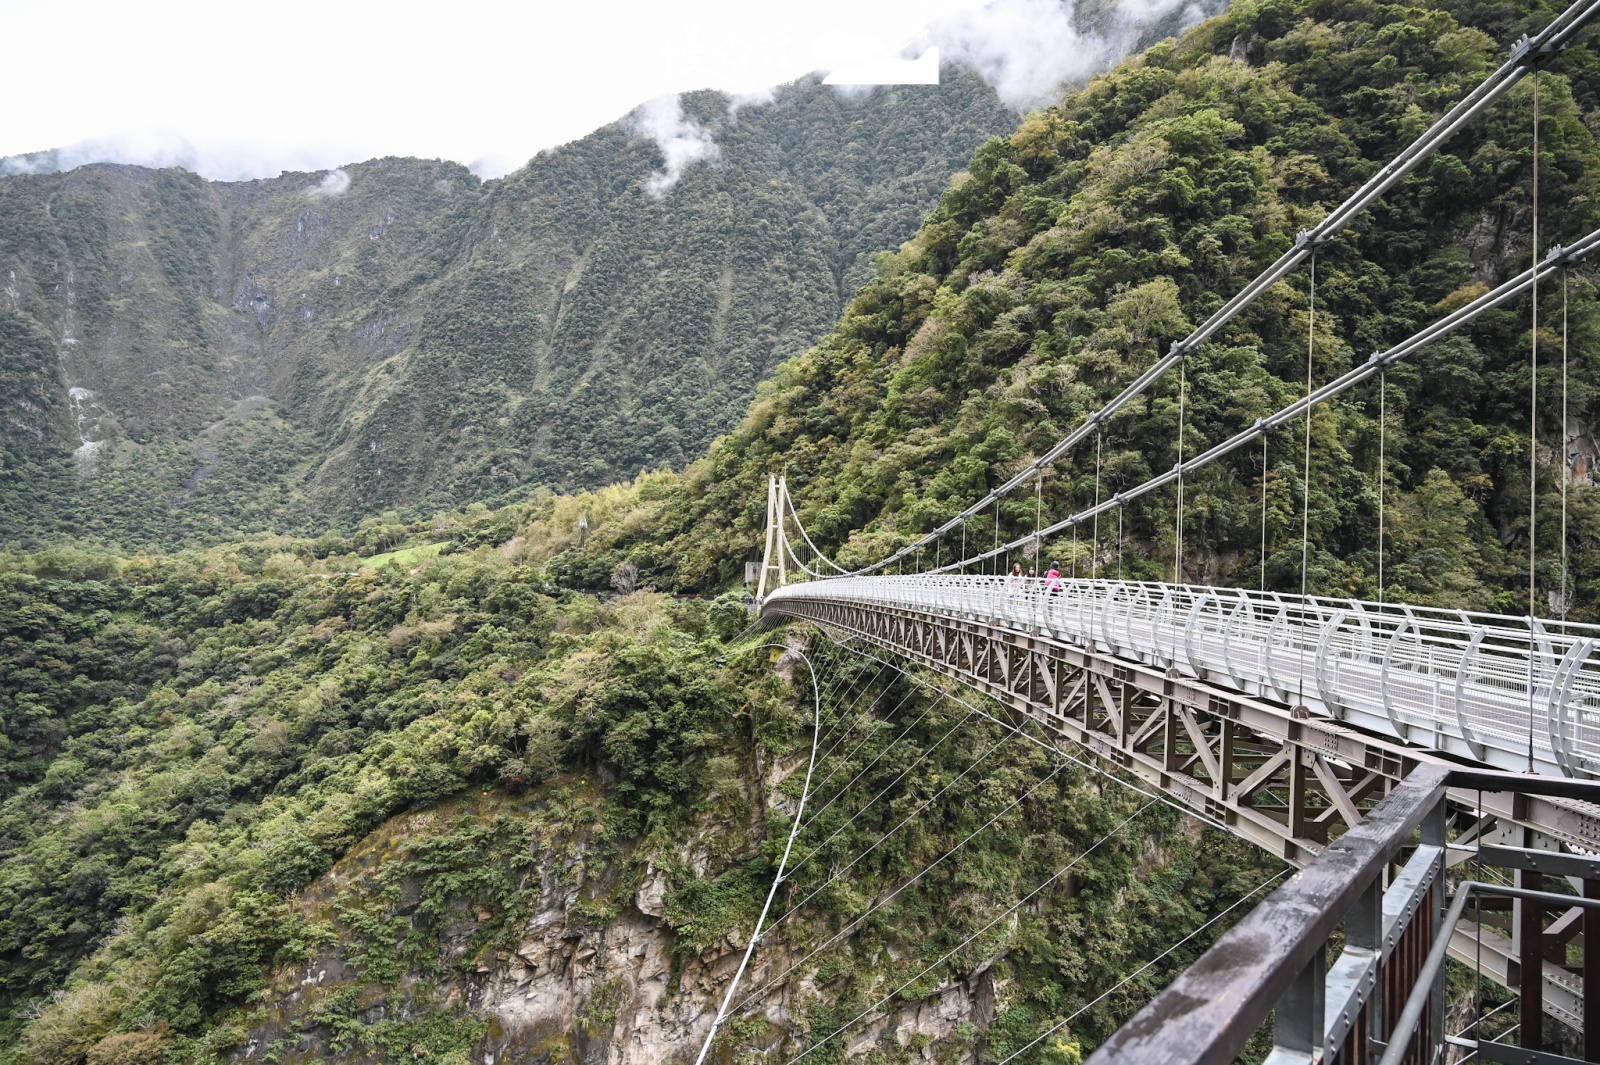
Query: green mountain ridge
284,354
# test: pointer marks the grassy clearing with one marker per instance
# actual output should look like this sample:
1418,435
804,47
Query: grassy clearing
405,557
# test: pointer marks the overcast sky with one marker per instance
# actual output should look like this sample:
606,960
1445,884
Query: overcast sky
249,90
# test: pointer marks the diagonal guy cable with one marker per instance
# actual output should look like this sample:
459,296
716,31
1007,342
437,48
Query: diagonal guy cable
1187,811
854,697
887,747
1126,980
885,837
885,789
947,955
855,922
883,722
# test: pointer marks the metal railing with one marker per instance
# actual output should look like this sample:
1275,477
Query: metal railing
1382,998
1515,693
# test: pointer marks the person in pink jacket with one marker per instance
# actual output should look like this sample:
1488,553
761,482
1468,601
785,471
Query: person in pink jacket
1052,580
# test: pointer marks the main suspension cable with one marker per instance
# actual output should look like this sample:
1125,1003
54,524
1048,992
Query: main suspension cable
1527,52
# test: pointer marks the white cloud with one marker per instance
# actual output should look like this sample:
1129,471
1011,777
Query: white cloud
758,98
334,183
682,140
547,75
157,148
894,70
251,94
1029,49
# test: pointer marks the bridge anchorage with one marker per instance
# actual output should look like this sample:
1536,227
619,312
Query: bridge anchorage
1432,774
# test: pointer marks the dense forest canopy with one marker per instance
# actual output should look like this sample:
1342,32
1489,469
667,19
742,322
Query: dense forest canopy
191,743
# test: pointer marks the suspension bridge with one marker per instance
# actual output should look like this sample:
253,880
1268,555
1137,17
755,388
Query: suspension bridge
1382,749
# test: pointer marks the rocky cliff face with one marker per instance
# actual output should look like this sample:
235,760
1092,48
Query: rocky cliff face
586,961
397,334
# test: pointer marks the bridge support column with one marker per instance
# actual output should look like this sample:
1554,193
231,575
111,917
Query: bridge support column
1530,959
1298,1023
773,558
1591,974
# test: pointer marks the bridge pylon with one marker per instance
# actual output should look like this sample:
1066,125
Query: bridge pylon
774,559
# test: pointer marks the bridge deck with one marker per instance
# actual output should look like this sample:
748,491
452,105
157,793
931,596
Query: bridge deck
1493,689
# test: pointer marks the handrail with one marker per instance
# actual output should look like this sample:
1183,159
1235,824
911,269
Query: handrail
1464,678
1205,1016
1274,958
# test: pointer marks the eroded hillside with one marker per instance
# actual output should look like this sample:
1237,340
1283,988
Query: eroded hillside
191,360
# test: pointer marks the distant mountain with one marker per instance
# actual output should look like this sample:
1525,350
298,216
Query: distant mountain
183,360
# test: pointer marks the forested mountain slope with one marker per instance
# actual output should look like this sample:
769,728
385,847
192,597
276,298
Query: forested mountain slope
186,361
1078,248
254,808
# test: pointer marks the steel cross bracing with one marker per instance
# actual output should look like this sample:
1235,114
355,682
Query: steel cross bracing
1283,719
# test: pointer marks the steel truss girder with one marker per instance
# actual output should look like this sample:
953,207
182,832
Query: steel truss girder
1288,784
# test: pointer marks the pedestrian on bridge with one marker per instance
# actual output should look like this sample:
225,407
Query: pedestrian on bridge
1052,580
